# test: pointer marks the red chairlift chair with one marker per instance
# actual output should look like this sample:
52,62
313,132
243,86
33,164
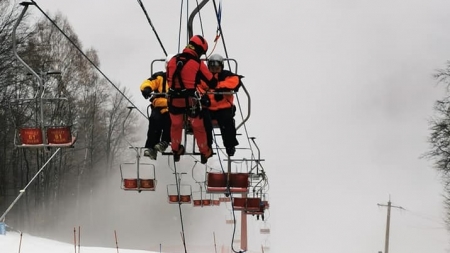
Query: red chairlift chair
184,196
56,135
217,182
144,180
248,205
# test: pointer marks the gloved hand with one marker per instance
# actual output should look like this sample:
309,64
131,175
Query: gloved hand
213,83
147,92
219,97
204,100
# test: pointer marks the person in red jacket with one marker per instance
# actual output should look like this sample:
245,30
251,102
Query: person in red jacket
221,99
185,72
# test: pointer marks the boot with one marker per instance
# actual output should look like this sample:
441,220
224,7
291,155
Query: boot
204,157
231,151
178,153
150,152
162,146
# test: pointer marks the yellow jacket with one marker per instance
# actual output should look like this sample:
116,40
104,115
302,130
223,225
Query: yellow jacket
158,83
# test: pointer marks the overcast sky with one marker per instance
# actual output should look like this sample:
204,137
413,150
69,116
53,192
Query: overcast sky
342,92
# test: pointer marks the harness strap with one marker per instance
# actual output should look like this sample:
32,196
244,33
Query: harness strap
192,109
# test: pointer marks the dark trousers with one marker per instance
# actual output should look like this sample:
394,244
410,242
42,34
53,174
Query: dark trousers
158,128
225,120
207,121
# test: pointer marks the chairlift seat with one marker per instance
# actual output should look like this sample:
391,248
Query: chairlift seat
184,199
144,181
239,180
148,184
247,204
59,135
253,204
69,144
173,199
206,202
202,202
217,182
31,136
264,204
139,184
225,199
179,194
130,183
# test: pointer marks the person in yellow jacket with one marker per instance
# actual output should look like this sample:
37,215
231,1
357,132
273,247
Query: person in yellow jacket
220,104
158,135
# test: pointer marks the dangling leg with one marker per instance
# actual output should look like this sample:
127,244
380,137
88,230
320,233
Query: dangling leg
200,135
165,125
227,129
176,132
152,135
208,126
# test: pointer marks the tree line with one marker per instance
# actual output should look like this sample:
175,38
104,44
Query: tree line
96,114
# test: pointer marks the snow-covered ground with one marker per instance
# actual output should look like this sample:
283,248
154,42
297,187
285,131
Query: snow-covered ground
12,242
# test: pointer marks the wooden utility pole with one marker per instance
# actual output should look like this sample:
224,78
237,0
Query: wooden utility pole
388,221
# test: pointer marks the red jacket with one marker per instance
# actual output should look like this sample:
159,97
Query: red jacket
192,72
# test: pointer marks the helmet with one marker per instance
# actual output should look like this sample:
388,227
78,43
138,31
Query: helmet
215,60
199,43
168,57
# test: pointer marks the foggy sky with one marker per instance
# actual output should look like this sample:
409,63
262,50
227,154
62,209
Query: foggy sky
342,92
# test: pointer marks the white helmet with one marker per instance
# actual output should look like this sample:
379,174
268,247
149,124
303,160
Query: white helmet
215,59
168,57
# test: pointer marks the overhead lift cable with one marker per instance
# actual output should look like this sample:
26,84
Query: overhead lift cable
177,179
178,184
85,56
197,9
218,12
153,28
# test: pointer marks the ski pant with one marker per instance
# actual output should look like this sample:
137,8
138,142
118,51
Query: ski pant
207,121
197,127
158,128
225,120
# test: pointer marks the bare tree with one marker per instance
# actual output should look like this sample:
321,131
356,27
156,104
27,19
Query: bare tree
9,158
96,113
439,138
